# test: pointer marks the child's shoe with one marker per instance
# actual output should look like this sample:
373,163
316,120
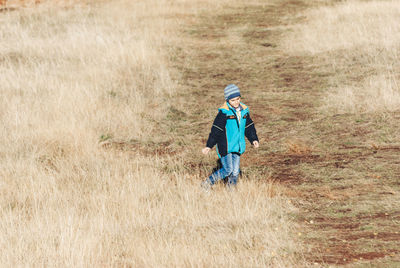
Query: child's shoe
206,185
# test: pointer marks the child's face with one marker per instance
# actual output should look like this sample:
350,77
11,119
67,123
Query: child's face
234,102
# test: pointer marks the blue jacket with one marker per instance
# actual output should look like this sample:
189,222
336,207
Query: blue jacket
228,132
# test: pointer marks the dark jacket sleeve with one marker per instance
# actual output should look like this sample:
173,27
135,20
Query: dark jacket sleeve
250,131
217,130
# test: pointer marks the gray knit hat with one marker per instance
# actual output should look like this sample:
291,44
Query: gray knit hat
231,91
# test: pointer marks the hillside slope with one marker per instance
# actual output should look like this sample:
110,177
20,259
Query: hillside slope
339,169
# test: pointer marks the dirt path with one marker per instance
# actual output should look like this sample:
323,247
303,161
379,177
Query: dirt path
347,190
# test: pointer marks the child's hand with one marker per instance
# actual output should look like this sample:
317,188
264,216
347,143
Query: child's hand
256,144
205,150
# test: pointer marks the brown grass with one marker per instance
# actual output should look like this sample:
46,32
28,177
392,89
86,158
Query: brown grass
360,41
298,147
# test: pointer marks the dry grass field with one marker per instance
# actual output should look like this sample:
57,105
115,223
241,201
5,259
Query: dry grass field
105,106
91,173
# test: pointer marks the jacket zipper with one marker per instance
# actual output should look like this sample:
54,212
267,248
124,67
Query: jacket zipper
238,125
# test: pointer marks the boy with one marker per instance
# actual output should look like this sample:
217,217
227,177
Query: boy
232,123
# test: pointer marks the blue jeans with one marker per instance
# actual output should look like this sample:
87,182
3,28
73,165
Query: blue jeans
230,168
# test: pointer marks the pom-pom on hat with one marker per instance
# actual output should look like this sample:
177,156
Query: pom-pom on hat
231,91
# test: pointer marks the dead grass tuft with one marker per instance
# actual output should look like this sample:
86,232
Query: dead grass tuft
297,147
